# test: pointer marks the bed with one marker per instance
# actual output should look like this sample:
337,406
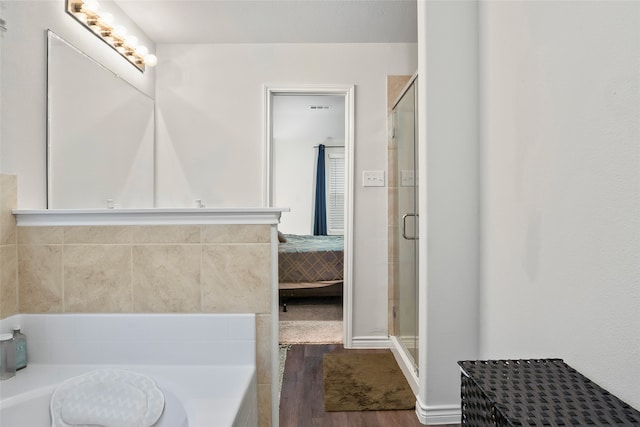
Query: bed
310,266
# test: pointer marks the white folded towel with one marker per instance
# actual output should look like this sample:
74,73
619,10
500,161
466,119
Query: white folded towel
107,398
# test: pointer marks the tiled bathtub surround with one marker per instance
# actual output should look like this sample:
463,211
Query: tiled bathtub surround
152,269
144,269
8,248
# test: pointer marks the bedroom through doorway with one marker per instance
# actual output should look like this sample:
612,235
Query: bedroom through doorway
309,146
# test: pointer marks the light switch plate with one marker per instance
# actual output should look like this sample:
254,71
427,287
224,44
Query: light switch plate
373,178
407,178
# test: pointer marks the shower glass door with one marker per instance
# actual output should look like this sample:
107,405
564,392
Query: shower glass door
405,134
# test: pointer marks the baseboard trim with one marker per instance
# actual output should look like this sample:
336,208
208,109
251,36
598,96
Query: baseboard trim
438,414
370,342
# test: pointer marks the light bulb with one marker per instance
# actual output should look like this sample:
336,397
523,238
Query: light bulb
142,51
91,5
107,18
119,31
151,60
82,17
132,41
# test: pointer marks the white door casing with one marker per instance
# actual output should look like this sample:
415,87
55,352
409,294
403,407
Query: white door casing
348,92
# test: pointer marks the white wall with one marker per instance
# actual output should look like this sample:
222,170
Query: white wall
210,139
23,106
561,186
448,201
297,131
293,117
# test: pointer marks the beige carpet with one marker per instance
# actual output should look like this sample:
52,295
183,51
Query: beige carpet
310,331
365,382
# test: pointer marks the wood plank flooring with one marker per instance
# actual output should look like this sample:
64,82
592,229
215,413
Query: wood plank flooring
302,400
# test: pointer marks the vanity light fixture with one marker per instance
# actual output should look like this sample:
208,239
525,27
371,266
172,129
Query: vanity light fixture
88,13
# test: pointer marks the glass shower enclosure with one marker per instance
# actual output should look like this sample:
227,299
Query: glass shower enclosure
405,276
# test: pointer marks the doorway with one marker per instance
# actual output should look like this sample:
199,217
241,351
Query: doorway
301,158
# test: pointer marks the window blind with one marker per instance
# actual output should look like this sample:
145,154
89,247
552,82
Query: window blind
335,193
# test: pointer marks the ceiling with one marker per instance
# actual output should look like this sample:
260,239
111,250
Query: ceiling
275,21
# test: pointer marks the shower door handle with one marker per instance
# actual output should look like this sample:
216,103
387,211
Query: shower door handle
404,226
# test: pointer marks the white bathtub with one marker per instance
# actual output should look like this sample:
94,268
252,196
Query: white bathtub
196,394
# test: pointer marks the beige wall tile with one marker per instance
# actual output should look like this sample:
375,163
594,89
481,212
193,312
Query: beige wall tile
166,278
8,201
8,281
395,84
97,278
263,348
40,279
97,234
7,232
392,273
40,235
165,234
392,205
8,191
394,328
393,236
393,292
236,233
392,159
264,405
235,278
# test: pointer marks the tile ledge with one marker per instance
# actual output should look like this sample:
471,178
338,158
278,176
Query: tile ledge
159,216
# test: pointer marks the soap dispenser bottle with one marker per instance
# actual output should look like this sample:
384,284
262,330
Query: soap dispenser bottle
21,348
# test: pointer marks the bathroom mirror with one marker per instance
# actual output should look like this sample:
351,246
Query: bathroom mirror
100,139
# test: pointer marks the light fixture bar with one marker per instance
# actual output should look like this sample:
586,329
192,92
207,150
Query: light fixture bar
87,12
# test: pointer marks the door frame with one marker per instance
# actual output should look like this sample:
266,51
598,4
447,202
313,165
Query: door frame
348,92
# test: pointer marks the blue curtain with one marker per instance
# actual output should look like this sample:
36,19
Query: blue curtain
320,214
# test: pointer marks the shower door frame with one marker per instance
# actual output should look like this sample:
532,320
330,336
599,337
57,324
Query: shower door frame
410,366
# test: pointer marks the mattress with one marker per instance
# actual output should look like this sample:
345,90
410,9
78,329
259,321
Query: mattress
311,258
